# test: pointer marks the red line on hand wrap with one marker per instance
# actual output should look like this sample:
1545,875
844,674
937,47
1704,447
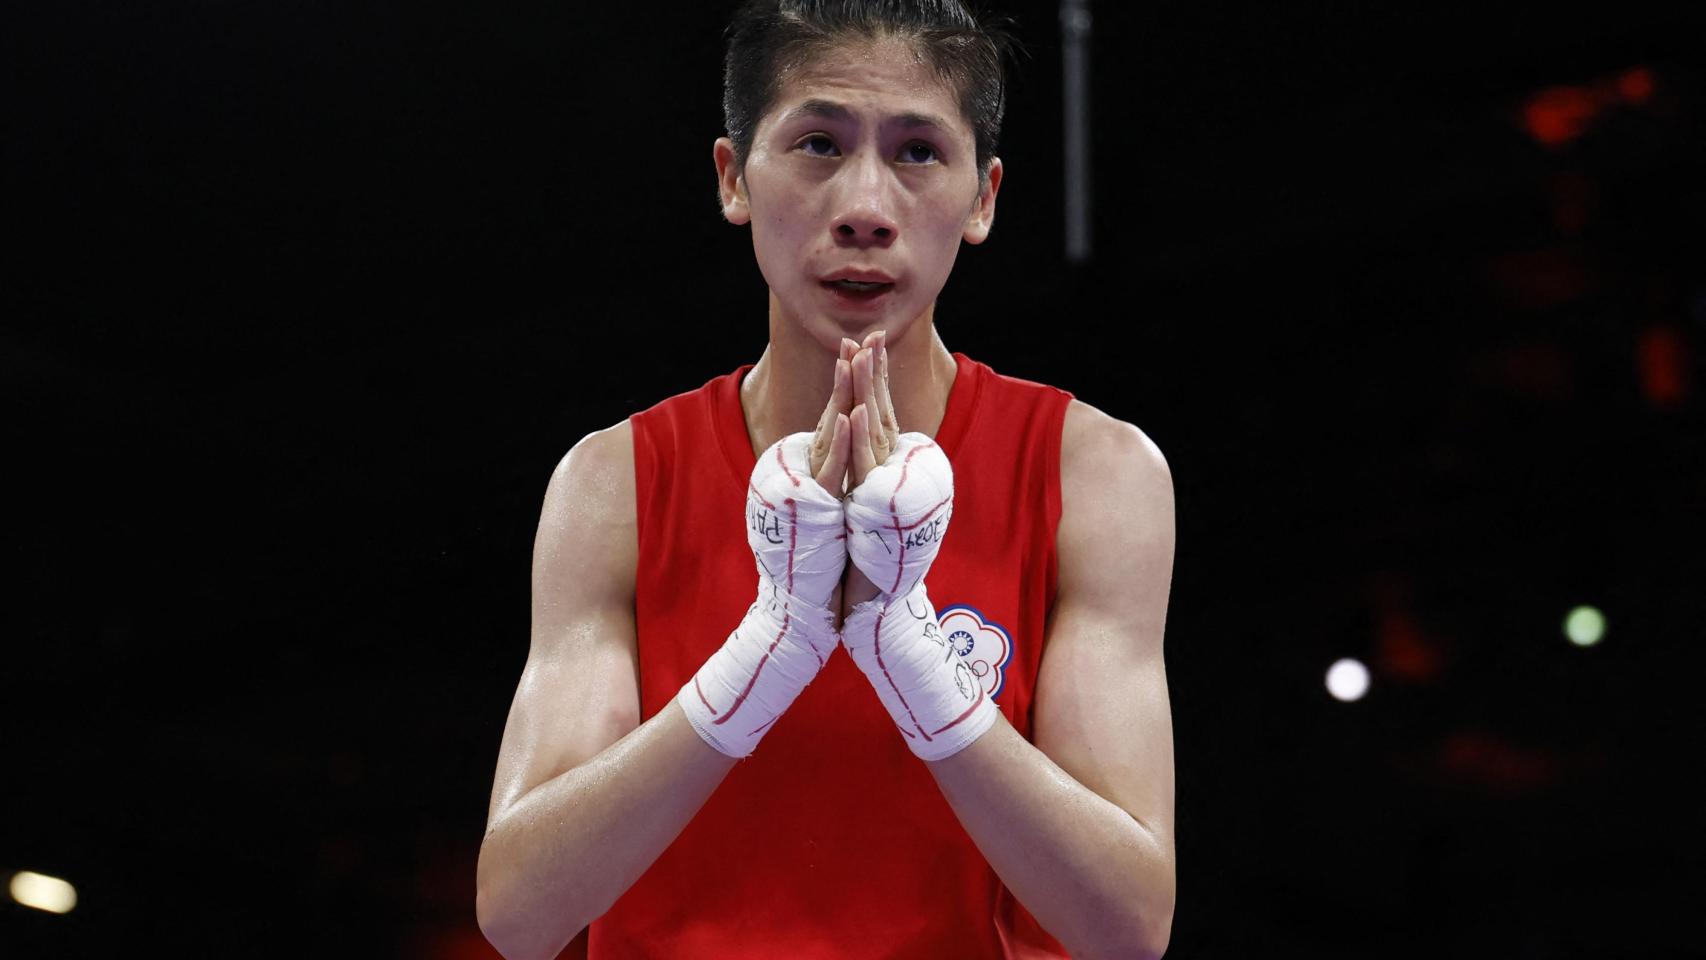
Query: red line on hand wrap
968,709
877,648
754,679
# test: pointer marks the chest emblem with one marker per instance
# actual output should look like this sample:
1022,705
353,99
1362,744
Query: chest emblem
984,644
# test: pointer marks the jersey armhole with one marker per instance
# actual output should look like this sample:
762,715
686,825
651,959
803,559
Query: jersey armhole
1052,443
645,475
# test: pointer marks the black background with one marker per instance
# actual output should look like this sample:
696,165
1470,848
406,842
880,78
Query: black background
302,302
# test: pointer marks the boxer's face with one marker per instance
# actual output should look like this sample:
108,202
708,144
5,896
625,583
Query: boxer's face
863,165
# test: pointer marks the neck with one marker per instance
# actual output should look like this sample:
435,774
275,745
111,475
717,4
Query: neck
790,385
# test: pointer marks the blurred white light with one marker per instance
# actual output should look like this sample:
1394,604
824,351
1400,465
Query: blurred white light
1347,680
43,892
1585,626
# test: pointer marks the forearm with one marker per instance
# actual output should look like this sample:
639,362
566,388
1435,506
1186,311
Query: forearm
1092,875
560,856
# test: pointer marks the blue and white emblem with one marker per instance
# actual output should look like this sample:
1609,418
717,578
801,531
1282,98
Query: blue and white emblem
983,644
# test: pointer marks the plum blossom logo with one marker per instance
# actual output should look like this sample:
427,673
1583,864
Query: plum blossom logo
984,645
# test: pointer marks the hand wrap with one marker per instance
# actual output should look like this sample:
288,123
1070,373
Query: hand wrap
794,528
896,520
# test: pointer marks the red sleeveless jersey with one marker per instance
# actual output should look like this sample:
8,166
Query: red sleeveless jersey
832,840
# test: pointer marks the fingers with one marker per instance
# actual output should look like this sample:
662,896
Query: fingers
885,402
861,373
840,400
834,467
865,392
841,395
862,459
862,377
884,422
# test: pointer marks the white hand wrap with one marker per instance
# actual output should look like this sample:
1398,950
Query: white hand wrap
794,528
896,520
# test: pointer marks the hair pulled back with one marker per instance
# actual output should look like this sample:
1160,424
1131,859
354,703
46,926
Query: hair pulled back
767,39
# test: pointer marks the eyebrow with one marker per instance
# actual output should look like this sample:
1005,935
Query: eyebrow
830,110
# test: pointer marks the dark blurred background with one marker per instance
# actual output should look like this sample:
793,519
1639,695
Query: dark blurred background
302,302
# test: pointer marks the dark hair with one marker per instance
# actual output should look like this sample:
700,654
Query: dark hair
769,38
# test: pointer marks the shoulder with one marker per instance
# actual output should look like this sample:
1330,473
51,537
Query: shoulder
600,466
1097,450
1116,490
587,525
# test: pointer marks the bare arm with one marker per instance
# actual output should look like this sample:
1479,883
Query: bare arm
585,797
1080,825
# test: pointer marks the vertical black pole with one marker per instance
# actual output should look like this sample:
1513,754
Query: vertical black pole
1075,97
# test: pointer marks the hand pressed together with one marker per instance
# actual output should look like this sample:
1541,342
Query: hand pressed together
856,433
844,524
899,501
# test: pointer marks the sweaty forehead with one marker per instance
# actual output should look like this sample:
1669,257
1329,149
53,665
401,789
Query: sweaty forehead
888,75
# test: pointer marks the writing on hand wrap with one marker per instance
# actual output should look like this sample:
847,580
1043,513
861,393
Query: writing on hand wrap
896,521
793,525
897,518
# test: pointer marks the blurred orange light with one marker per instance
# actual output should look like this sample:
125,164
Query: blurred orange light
1557,115
1636,85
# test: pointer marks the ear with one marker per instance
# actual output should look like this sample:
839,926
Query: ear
982,215
731,186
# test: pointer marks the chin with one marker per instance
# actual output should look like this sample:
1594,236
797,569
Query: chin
828,326
828,330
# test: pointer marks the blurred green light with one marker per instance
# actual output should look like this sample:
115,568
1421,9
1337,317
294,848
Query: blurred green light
1585,626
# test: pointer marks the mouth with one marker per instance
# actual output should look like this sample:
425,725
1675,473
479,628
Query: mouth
858,286
857,291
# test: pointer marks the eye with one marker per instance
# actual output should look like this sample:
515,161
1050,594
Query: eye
818,145
918,152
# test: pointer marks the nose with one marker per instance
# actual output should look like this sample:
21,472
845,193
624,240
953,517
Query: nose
866,205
